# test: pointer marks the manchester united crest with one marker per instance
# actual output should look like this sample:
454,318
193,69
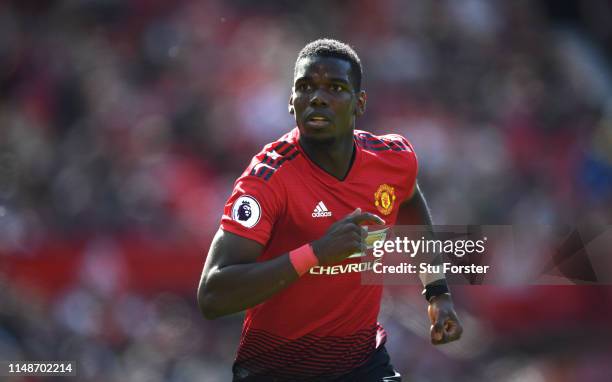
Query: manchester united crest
384,199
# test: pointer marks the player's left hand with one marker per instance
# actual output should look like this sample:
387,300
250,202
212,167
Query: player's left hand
445,326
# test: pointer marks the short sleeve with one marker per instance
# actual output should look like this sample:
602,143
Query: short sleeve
413,167
409,167
252,209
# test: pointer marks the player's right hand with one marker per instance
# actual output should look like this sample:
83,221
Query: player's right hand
344,237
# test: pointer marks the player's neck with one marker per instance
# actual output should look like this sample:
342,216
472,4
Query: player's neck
334,158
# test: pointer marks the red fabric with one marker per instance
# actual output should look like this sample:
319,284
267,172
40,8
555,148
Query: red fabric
331,305
303,259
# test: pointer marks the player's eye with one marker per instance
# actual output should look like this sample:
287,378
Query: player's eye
302,87
336,88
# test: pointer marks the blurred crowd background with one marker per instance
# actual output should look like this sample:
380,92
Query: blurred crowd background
123,125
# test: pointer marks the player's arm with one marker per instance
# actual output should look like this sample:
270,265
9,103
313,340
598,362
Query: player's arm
233,280
445,326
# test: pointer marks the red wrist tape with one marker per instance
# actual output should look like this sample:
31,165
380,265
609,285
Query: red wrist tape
303,258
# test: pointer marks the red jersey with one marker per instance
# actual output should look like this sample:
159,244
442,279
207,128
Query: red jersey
324,324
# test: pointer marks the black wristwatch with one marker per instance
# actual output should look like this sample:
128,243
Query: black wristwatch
435,289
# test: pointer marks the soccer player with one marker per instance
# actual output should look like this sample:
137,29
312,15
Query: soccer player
299,208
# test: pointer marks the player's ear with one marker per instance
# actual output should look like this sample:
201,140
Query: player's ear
361,103
291,109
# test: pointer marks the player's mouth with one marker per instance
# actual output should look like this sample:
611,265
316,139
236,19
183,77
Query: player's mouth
318,121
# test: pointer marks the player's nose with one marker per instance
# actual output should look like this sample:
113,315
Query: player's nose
318,98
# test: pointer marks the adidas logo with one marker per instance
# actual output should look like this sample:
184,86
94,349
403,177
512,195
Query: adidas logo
321,211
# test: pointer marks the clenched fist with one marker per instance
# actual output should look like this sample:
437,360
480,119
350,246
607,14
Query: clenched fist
344,237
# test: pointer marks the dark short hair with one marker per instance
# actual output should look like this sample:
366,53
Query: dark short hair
326,47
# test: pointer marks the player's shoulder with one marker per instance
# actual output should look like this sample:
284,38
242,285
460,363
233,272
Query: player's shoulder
272,158
393,143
